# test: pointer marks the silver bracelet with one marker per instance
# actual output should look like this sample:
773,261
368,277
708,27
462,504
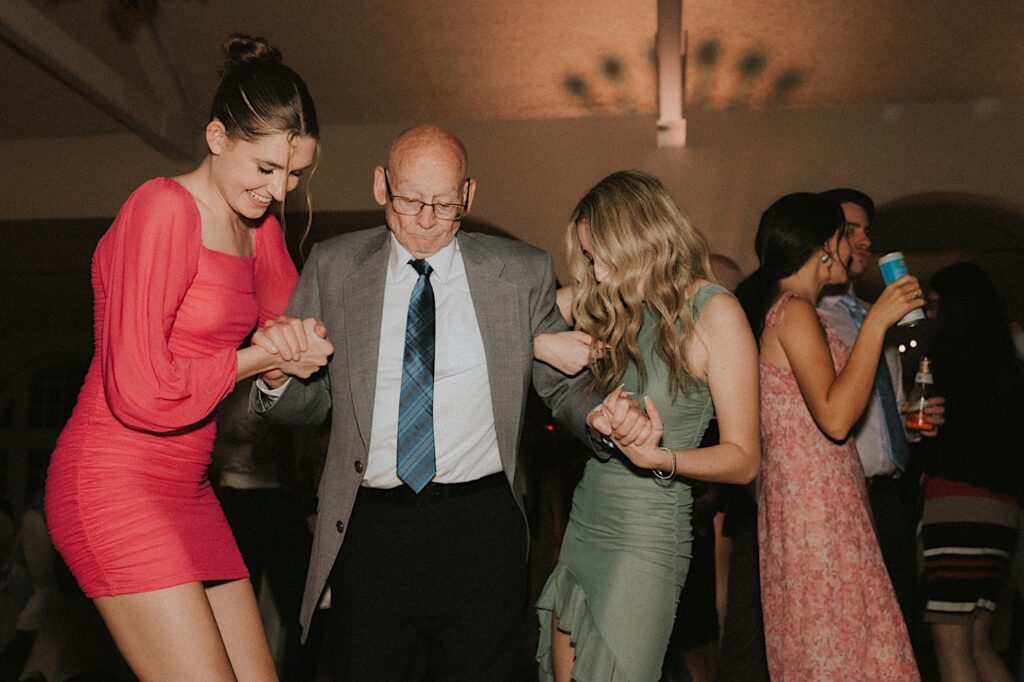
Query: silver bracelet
661,475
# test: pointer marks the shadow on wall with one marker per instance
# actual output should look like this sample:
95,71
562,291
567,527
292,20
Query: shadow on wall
717,78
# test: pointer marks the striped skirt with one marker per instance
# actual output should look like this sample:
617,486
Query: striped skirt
968,534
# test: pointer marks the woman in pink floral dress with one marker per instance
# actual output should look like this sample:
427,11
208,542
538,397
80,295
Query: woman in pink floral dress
830,613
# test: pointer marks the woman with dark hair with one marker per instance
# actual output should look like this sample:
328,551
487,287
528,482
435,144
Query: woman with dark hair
829,608
973,472
187,269
676,343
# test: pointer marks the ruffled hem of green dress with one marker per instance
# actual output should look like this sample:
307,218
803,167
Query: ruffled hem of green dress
595,661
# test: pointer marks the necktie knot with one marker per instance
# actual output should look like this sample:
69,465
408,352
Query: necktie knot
421,266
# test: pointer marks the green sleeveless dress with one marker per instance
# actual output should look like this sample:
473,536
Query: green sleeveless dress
626,550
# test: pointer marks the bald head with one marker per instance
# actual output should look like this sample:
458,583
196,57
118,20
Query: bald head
431,141
726,271
427,164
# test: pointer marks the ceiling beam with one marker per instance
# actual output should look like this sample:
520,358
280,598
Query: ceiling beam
671,74
156,65
163,125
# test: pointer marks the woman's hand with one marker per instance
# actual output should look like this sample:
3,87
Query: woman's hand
896,300
285,347
318,349
621,419
287,336
568,352
648,454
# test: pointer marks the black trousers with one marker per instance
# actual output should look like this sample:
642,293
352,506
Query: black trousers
894,509
430,590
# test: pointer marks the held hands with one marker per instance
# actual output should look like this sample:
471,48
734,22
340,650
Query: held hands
935,411
634,432
301,347
896,300
568,352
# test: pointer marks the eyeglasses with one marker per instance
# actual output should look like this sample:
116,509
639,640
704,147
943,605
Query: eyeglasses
442,210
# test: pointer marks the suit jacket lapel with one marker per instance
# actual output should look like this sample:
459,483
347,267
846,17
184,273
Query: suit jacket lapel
500,330
363,300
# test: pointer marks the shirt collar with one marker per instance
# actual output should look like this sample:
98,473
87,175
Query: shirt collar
835,297
441,262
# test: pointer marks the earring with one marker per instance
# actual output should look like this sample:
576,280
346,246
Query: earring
826,257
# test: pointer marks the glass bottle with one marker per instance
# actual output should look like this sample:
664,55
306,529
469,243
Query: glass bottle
918,400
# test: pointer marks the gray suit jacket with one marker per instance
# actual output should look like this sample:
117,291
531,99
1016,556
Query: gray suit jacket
342,284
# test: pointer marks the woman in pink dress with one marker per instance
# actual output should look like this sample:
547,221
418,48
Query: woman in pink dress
829,609
186,271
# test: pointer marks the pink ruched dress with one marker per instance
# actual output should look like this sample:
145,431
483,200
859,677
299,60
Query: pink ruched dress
830,613
128,501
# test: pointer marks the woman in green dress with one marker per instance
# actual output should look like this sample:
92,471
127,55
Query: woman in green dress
660,329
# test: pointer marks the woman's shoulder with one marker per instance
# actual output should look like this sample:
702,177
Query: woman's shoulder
163,190
157,209
163,198
791,307
702,291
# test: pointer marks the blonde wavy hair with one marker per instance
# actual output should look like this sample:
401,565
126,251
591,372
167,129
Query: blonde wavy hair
654,256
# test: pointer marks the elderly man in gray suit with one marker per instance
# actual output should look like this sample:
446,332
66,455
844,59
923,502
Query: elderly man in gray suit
421,533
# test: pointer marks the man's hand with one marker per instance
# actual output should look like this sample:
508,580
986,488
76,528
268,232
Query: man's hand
316,354
274,378
622,420
287,336
568,352
301,347
934,411
643,450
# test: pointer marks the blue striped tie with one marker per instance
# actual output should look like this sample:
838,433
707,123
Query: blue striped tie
898,451
415,460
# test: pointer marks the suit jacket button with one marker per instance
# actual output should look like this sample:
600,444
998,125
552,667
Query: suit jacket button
340,525
359,467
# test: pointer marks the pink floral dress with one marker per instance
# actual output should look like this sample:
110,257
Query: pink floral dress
830,613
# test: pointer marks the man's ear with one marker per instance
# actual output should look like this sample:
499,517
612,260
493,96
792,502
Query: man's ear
216,136
470,194
380,190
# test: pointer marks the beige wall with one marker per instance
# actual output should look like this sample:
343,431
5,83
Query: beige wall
530,173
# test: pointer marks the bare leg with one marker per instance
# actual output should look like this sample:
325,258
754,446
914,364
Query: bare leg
954,648
991,667
723,553
562,653
700,661
238,618
168,634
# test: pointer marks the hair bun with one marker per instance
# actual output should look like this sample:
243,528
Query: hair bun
242,50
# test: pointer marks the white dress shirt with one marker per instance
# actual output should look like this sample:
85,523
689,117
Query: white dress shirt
465,441
870,431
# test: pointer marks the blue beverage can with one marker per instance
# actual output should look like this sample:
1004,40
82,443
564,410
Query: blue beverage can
893,266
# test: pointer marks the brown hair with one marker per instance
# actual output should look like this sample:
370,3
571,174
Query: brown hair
259,95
